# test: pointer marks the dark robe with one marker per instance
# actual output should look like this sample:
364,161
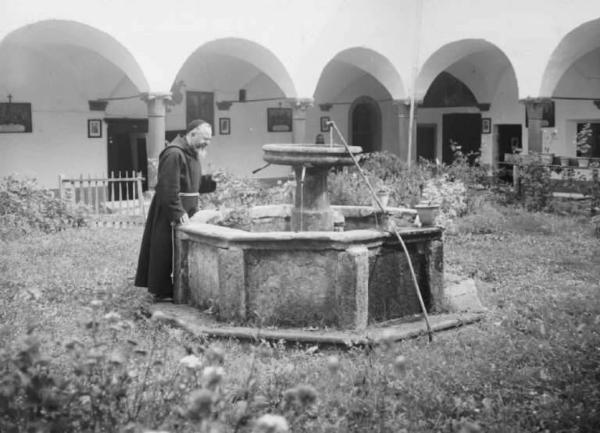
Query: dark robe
179,171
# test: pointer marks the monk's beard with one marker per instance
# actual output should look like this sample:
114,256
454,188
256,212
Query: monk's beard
202,153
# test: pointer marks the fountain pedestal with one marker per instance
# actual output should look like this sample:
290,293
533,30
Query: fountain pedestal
311,164
312,211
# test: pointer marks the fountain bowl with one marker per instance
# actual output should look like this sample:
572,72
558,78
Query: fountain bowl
306,154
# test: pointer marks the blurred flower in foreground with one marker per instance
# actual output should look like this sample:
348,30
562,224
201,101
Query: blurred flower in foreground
271,424
191,362
212,376
333,364
215,355
199,404
400,364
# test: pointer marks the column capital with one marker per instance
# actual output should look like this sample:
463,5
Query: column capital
535,100
301,103
157,103
535,107
151,96
402,107
401,102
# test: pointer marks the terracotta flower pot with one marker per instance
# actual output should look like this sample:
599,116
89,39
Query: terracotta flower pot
583,162
384,199
427,213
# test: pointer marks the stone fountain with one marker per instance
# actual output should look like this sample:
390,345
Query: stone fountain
309,264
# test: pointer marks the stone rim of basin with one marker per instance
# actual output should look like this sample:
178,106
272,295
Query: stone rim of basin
306,153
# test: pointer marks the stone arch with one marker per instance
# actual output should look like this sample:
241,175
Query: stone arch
574,45
252,53
365,124
361,60
477,63
64,33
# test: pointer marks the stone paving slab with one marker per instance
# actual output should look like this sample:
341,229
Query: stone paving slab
202,324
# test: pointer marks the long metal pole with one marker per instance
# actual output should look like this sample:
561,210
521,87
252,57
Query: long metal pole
376,199
415,69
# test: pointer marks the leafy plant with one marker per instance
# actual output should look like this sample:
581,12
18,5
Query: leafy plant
25,207
535,186
582,139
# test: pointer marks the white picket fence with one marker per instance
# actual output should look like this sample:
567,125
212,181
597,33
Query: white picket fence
114,200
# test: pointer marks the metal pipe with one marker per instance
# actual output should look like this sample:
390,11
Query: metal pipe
410,265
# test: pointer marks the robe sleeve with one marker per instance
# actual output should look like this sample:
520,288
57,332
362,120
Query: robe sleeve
169,184
207,184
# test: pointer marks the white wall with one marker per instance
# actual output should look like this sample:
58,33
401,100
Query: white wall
58,92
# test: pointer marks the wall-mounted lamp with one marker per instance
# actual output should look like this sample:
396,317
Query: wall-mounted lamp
325,107
224,105
97,105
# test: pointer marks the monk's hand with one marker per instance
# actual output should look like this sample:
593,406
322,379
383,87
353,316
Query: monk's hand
184,219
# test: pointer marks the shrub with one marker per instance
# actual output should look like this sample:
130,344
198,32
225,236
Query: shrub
535,187
384,170
347,187
485,219
235,192
24,207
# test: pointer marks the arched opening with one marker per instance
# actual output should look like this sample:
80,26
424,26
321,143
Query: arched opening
365,122
71,76
233,82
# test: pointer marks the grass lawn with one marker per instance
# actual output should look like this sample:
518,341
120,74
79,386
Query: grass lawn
533,364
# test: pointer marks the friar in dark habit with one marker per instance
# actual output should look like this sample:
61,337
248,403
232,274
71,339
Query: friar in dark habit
175,200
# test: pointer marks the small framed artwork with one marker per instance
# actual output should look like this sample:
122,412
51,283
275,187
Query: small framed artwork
224,125
325,124
279,119
94,128
15,116
486,125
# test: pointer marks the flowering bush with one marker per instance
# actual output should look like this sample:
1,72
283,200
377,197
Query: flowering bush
449,195
24,207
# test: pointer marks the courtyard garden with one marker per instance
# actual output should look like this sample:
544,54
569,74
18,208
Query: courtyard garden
80,351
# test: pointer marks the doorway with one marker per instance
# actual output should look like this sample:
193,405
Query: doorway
126,147
461,129
509,137
365,120
426,135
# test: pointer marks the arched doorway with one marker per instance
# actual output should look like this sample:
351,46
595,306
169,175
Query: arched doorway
365,124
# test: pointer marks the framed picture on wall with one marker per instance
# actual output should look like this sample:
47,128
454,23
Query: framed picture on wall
15,117
279,119
486,125
325,124
200,105
94,128
224,125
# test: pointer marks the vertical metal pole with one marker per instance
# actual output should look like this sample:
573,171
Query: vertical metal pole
415,69
61,189
140,194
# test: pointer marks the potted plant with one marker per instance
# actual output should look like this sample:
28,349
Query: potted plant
427,211
382,191
582,140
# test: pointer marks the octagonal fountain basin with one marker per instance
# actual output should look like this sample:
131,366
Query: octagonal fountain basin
266,275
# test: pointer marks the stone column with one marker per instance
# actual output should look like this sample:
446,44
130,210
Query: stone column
402,109
535,112
299,108
155,139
